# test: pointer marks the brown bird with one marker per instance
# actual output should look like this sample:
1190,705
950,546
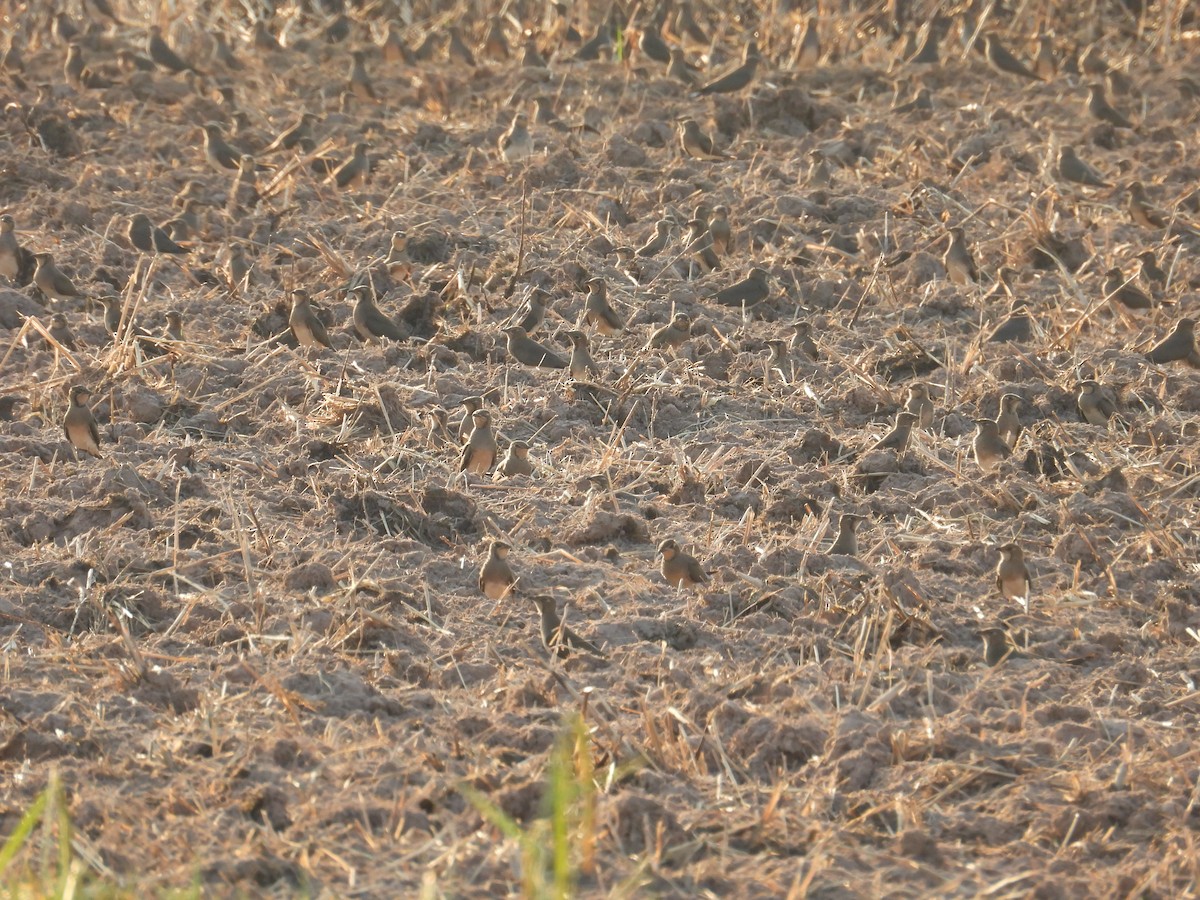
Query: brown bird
990,448
79,425
516,143
479,454
1179,344
654,246
752,289
679,568
1151,270
997,646
393,47
495,42
1007,424
174,329
959,263
144,235
524,349
353,171
162,54
50,281
582,365
1072,168
1000,59
496,578
802,340
534,312
1012,575
8,405
918,402
1016,327
673,335
695,143
291,136
308,330
466,423
457,51
516,461
926,40
846,543
897,439
736,79
1045,64
369,320
219,152
61,331
10,249
359,82
1099,107
557,637
678,68
808,53
597,311
1124,291
698,249
720,231
1094,406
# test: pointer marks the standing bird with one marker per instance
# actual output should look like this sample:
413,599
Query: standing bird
61,331
11,252
702,257
524,349
1072,168
918,402
534,312
695,143
1012,575
990,449
1000,59
1094,406
752,289
738,78
597,311
557,637
1151,270
808,54
1124,291
147,237
898,437
959,263
846,542
654,246
720,231
1007,424
496,578
466,423
354,171
79,425
679,69
162,54
174,329
50,281
516,461
219,152
582,365
291,136
479,454
1143,213
516,143
1099,107
997,646
802,340
369,320
1045,64
359,82
678,568
1179,344
673,335
308,330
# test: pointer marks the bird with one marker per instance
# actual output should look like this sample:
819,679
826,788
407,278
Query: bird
923,100
1007,424
1150,269
466,423
144,235
74,66
1044,63
219,152
808,53
496,578
1179,344
495,42
1094,406
393,47
736,79
655,245
1143,213
61,331
308,330
926,42
581,365
990,449
678,568
597,311
359,82
106,11
222,53
1072,168
79,425
291,136
526,350
918,402
354,170
10,248
516,461
802,340
650,42
695,143
516,143
8,405
534,311
1000,59
673,335
898,437
479,454
678,68
778,356
997,646
959,263
531,56
1016,327
1012,575
556,636
1124,291
162,54
174,329
752,289
698,248
52,282
720,231
1099,107
457,51
846,542
369,320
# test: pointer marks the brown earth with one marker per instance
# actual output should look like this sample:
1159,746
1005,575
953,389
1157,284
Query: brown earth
250,637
